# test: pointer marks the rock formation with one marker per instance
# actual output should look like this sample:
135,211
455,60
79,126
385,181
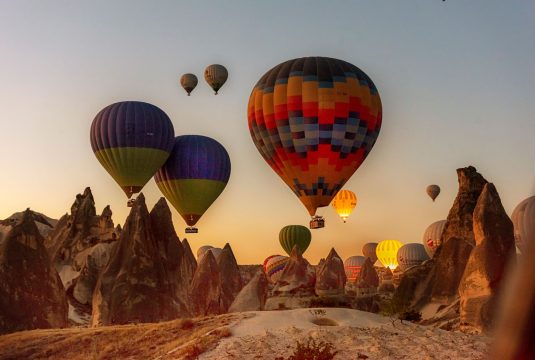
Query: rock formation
205,290
253,295
458,237
298,277
368,277
229,272
495,247
44,224
140,282
79,231
410,285
189,264
331,277
31,293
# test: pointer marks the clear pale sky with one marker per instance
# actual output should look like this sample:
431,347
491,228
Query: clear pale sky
456,79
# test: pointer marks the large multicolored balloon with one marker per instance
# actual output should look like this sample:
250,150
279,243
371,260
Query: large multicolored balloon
368,250
274,266
433,191
215,75
352,267
387,251
410,255
314,120
194,175
132,140
344,202
433,237
292,235
523,218
188,82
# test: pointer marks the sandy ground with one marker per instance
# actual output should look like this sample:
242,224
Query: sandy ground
268,334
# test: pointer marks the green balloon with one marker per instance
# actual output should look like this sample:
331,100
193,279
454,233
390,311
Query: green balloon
292,235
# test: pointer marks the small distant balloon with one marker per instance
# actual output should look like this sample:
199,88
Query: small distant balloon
292,235
188,82
352,267
433,237
344,202
215,75
274,266
523,218
368,250
433,191
410,255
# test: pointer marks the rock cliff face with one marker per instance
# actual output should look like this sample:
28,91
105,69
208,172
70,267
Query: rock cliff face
495,248
140,282
331,277
253,295
205,291
31,293
189,264
298,277
457,238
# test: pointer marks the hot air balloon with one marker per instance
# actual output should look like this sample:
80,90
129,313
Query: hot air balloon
433,191
368,250
292,235
386,253
188,82
344,202
194,176
132,140
433,237
274,266
352,267
202,250
410,255
524,222
314,120
215,75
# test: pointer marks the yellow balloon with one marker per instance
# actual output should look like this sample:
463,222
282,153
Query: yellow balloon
387,251
344,202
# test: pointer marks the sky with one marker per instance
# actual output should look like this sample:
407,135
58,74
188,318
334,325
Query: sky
456,80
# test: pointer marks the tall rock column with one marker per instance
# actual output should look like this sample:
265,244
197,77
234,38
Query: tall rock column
331,277
31,293
495,247
457,238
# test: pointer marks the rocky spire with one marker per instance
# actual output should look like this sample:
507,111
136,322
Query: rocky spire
331,277
231,281
495,248
205,291
31,293
136,285
298,277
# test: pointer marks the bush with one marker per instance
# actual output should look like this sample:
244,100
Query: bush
312,350
329,302
410,315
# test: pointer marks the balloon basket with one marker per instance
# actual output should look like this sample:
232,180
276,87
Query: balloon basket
317,222
192,230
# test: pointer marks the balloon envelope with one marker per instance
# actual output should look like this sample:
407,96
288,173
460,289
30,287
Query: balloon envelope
386,253
132,140
368,250
274,266
314,120
194,176
344,202
352,267
292,235
188,82
216,75
202,250
433,237
410,255
524,222
433,191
